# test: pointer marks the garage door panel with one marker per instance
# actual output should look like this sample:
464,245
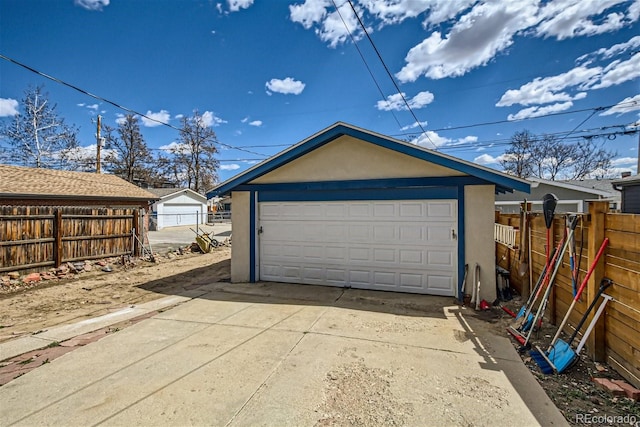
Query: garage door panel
384,245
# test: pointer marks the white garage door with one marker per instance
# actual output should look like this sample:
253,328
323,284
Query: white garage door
397,245
180,214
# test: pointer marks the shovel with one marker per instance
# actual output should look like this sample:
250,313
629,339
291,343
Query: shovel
561,355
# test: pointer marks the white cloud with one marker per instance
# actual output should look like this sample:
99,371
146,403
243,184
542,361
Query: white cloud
623,161
430,139
627,105
486,159
209,119
414,125
617,49
473,41
571,18
176,147
245,120
8,107
286,86
161,116
309,13
229,167
468,139
93,107
92,4
549,89
331,26
120,118
179,116
236,5
395,102
256,123
531,112
619,72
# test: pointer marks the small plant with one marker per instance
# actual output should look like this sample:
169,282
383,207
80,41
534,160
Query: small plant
54,344
26,361
45,361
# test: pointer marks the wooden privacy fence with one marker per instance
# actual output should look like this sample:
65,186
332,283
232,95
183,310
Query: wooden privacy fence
41,237
616,338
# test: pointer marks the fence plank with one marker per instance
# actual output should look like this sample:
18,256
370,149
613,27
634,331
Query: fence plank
33,236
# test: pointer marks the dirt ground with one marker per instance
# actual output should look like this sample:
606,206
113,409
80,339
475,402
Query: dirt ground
29,309
26,310
573,392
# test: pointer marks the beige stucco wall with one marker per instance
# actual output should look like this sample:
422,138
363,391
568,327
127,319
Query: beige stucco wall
240,249
479,243
350,158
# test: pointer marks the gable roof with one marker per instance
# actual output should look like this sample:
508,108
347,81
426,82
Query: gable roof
166,193
18,182
502,181
630,180
575,186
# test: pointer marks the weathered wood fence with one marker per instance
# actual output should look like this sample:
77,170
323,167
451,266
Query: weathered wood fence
40,237
616,338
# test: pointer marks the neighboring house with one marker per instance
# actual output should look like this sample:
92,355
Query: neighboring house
351,208
630,189
572,195
178,206
23,186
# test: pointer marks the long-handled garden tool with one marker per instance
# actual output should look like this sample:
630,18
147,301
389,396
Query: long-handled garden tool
534,293
538,355
561,356
545,299
524,321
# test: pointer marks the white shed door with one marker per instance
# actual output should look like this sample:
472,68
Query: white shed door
180,214
396,245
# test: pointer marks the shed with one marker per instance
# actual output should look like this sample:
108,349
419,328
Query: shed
630,188
24,186
178,206
352,208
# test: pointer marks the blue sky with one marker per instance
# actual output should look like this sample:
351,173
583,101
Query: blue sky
267,74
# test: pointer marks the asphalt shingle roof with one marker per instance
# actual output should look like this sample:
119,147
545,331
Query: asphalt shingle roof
18,181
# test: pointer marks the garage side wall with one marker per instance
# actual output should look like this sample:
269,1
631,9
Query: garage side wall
241,249
479,243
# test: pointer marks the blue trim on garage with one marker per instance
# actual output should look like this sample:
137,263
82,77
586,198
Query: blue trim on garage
461,241
252,236
502,181
363,184
343,195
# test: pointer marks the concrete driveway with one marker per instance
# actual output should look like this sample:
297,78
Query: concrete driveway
174,237
277,355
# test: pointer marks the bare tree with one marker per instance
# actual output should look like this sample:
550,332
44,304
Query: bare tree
38,135
517,158
192,160
590,158
551,158
127,154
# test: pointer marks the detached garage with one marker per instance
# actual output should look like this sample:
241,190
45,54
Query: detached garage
178,206
347,207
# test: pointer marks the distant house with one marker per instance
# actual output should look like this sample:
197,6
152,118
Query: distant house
630,189
23,186
572,195
178,206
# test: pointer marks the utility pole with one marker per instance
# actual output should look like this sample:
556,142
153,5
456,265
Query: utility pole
98,144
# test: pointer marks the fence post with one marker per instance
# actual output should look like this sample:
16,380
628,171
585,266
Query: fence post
136,232
57,235
596,341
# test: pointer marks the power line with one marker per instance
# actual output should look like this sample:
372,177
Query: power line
386,68
353,40
99,98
